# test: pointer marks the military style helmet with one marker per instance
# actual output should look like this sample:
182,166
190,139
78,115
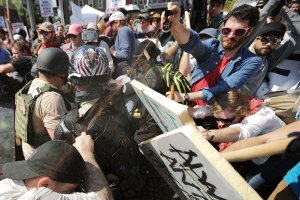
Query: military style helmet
53,61
90,66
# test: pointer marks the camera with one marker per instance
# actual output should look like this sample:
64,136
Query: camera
167,24
90,35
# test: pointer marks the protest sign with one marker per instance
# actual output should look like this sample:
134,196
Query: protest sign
167,113
230,4
2,22
194,168
46,8
113,5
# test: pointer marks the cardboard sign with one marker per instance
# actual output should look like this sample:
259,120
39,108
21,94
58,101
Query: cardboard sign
230,4
113,5
2,22
167,113
193,168
46,8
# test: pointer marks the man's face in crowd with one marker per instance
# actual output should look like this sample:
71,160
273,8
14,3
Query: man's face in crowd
155,22
46,37
295,7
214,9
74,38
16,53
265,44
234,33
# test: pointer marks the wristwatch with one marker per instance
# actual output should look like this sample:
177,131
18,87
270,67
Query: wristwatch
186,97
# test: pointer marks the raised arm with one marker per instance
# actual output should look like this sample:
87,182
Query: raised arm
95,179
180,33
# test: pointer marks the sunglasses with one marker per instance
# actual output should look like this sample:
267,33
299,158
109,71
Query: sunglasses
237,32
267,39
229,120
71,36
156,20
44,33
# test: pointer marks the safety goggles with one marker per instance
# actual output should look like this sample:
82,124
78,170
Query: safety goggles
44,33
267,39
237,32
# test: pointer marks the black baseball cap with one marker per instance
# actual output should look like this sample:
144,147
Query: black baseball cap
273,27
55,159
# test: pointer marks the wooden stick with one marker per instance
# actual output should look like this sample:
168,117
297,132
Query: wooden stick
172,91
187,19
273,148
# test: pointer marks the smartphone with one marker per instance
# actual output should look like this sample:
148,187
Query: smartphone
167,24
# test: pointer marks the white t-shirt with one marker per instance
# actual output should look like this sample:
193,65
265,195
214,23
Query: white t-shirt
263,121
13,189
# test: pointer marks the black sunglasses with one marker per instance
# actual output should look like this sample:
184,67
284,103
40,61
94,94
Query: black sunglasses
229,120
267,39
44,33
71,36
237,32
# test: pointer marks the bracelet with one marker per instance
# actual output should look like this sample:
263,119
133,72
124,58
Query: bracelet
210,134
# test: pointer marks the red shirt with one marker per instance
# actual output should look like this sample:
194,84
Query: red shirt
210,79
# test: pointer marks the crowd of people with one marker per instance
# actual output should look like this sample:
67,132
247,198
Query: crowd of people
78,121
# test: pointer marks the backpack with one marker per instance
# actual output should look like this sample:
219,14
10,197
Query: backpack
23,114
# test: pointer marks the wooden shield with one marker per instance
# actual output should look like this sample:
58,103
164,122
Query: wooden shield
194,168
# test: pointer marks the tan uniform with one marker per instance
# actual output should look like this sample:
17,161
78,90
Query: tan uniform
47,112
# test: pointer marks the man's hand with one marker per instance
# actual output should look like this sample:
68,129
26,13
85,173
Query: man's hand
178,96
85,146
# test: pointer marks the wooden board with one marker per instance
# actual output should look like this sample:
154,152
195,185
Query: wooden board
193,168
167,113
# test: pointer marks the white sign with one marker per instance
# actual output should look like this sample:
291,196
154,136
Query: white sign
230,4
194,168
113,5
46,8
167,113
2,22
17,25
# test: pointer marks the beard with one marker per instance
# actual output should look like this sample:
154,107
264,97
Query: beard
232,43
262,51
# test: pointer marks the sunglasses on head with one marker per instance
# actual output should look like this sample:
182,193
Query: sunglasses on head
229,120
237,32
44,33
267,39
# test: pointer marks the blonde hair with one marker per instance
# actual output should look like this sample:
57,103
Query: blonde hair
233,101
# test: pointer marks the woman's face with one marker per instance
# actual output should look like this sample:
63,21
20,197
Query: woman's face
226,117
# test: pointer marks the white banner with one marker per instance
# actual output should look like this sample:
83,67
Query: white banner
113,5
17,25
46,8
230,4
